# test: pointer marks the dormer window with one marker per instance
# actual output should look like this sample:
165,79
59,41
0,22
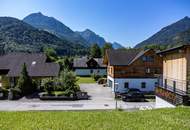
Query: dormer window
33,62
148,58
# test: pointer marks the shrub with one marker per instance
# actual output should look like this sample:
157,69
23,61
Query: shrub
69,80
102,81
49,86
4,92
95,76
14,93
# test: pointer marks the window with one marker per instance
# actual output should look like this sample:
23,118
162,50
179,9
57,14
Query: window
156,84
91,71
148,70
111,70
143,85
174,86
126,85
157,71
148,58
165,83
120,72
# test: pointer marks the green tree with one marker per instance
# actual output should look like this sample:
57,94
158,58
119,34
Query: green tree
51,54
66,63
69,80
25,83
95,51
155,47
106,47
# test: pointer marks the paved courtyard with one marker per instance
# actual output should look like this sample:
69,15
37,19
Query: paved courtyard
101,98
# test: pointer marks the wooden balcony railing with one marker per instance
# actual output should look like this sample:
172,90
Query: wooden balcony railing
171,90
181,87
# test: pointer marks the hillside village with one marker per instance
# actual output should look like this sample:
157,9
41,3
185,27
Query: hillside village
143,72
47,66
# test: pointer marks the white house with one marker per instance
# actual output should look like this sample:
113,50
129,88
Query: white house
87,66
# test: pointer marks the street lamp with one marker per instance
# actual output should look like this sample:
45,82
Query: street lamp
115,88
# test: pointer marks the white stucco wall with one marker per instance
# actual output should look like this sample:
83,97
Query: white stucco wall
133,83
87,72
161,103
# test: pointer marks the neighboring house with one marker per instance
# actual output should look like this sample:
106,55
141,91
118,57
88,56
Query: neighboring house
37,66
132,69
87,66
173,87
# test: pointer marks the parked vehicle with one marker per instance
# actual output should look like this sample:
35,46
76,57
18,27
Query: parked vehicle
133,95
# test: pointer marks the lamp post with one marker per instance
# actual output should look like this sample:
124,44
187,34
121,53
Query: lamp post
115,88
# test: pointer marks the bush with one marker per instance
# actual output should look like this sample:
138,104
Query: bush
95,77
14,93
69,80
102,81
4,92
49,86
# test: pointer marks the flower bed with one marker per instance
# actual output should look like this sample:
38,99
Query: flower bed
60,95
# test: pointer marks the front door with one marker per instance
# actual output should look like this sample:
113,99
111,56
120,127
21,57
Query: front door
110,84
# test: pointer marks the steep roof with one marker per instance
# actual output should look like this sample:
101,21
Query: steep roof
36,65
173,49
82,62
123,57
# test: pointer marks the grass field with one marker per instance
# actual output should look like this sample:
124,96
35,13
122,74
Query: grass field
85,80
163,119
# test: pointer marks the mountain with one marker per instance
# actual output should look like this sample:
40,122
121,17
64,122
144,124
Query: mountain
169,35
183,37
54,26
16,35
92,37
116,45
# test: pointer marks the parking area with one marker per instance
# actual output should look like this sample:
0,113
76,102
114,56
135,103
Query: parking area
101,98
98,92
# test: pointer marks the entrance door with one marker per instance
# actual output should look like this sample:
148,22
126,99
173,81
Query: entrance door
110,84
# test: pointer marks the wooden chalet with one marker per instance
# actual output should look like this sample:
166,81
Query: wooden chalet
132,69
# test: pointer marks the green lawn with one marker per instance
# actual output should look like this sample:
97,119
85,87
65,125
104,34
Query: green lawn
163,119
85,80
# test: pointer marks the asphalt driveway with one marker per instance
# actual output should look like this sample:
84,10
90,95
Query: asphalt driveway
98,92
101,98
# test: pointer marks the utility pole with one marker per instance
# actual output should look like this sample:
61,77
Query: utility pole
115,88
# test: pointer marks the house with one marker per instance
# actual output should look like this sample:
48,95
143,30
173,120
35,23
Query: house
132,69
87,66
173,87
37,66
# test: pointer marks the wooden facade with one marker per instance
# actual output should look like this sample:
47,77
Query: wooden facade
176,75
139,68
176,68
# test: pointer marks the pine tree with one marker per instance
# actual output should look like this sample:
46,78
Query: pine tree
95,51
25,83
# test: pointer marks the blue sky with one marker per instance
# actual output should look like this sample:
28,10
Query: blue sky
125,21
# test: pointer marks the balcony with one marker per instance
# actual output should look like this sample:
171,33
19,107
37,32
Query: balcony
173,91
